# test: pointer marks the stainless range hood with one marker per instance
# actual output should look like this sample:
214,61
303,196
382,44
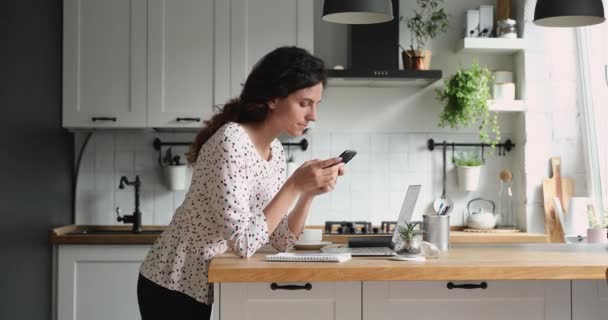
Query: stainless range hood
373,58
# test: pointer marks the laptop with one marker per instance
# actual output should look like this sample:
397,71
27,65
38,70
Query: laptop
385,248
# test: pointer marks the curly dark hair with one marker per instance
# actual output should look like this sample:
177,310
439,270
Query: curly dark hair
277,75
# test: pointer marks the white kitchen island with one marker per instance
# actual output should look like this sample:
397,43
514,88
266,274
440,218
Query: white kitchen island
522,281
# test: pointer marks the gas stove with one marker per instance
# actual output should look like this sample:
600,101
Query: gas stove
359,227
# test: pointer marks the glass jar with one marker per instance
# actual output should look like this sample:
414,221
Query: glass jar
505,212
410,246
506,29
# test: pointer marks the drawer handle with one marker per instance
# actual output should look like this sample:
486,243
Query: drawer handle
275,286
483,285
113,119
188,119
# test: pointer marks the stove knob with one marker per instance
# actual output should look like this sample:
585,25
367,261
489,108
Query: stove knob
376,230
364,230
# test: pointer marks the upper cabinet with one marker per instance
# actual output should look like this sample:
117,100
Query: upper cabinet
259,26
164,64
104,63
181,62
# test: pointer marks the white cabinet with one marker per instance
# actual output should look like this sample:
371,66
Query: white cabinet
259,26
164,64
104,63
98,282
183,61
508,300
323,301
589,300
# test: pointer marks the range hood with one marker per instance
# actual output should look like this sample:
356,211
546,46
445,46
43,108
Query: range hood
373,59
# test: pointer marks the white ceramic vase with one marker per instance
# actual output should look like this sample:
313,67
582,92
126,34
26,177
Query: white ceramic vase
468,177
175,177
598,235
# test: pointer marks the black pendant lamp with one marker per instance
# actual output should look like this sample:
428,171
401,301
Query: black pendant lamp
568,13
357,11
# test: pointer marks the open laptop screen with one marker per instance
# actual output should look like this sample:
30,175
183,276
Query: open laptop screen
407,209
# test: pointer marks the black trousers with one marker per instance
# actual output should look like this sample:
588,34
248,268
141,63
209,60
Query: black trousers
158,302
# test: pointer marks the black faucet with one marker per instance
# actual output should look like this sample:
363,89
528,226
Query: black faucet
135,218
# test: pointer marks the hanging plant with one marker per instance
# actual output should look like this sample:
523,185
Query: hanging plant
465,99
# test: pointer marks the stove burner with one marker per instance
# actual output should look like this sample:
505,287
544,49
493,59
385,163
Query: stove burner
358,227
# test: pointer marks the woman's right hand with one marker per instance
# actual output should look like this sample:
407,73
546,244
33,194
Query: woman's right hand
317,176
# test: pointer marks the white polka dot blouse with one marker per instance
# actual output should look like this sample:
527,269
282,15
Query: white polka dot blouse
231,184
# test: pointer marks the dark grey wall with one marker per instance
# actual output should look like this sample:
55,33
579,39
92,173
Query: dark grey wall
36,157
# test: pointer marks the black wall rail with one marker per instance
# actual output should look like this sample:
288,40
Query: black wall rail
157,144
503,148
303,144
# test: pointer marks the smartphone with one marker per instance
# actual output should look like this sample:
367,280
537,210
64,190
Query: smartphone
346,156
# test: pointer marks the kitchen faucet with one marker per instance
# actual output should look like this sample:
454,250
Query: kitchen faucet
134,218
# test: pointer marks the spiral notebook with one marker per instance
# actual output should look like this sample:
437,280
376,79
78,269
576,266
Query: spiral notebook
309,257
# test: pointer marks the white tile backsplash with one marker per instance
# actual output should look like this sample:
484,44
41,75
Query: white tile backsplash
372,189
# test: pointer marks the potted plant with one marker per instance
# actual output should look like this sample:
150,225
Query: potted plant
468,170
428,21
174,170
465,99
597,231
410,241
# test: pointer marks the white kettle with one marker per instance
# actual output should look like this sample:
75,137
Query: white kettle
575,223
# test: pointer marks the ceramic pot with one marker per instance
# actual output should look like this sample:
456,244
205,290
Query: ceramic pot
598,235
417,59
468,177
175,177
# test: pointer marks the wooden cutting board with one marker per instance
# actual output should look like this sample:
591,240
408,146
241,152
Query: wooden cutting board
556,186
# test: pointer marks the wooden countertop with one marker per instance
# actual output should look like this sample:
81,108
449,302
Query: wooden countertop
82,234
461,262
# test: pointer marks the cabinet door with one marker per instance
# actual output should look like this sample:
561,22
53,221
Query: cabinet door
182,61
589,300
324,301
98,282
104,63
508,300
259,26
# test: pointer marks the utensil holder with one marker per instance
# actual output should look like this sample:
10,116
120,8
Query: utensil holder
437,230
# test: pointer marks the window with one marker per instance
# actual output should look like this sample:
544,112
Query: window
593,53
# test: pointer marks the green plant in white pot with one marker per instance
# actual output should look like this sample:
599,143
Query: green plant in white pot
174,170
468,169
465,100
597,230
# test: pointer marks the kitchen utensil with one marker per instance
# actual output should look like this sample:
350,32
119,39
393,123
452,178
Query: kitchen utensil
481,216
560,187
437,230
440,204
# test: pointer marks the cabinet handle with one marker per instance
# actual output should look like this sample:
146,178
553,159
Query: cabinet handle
275,286
188,119
113,119
483,285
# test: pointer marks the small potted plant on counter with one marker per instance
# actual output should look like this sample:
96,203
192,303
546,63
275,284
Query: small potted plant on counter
174,170
429,20
410,240
468,169
465,99
597,232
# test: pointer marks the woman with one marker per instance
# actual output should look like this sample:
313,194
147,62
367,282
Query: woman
239,196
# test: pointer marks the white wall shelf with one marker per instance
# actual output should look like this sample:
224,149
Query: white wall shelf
507,106
491,45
